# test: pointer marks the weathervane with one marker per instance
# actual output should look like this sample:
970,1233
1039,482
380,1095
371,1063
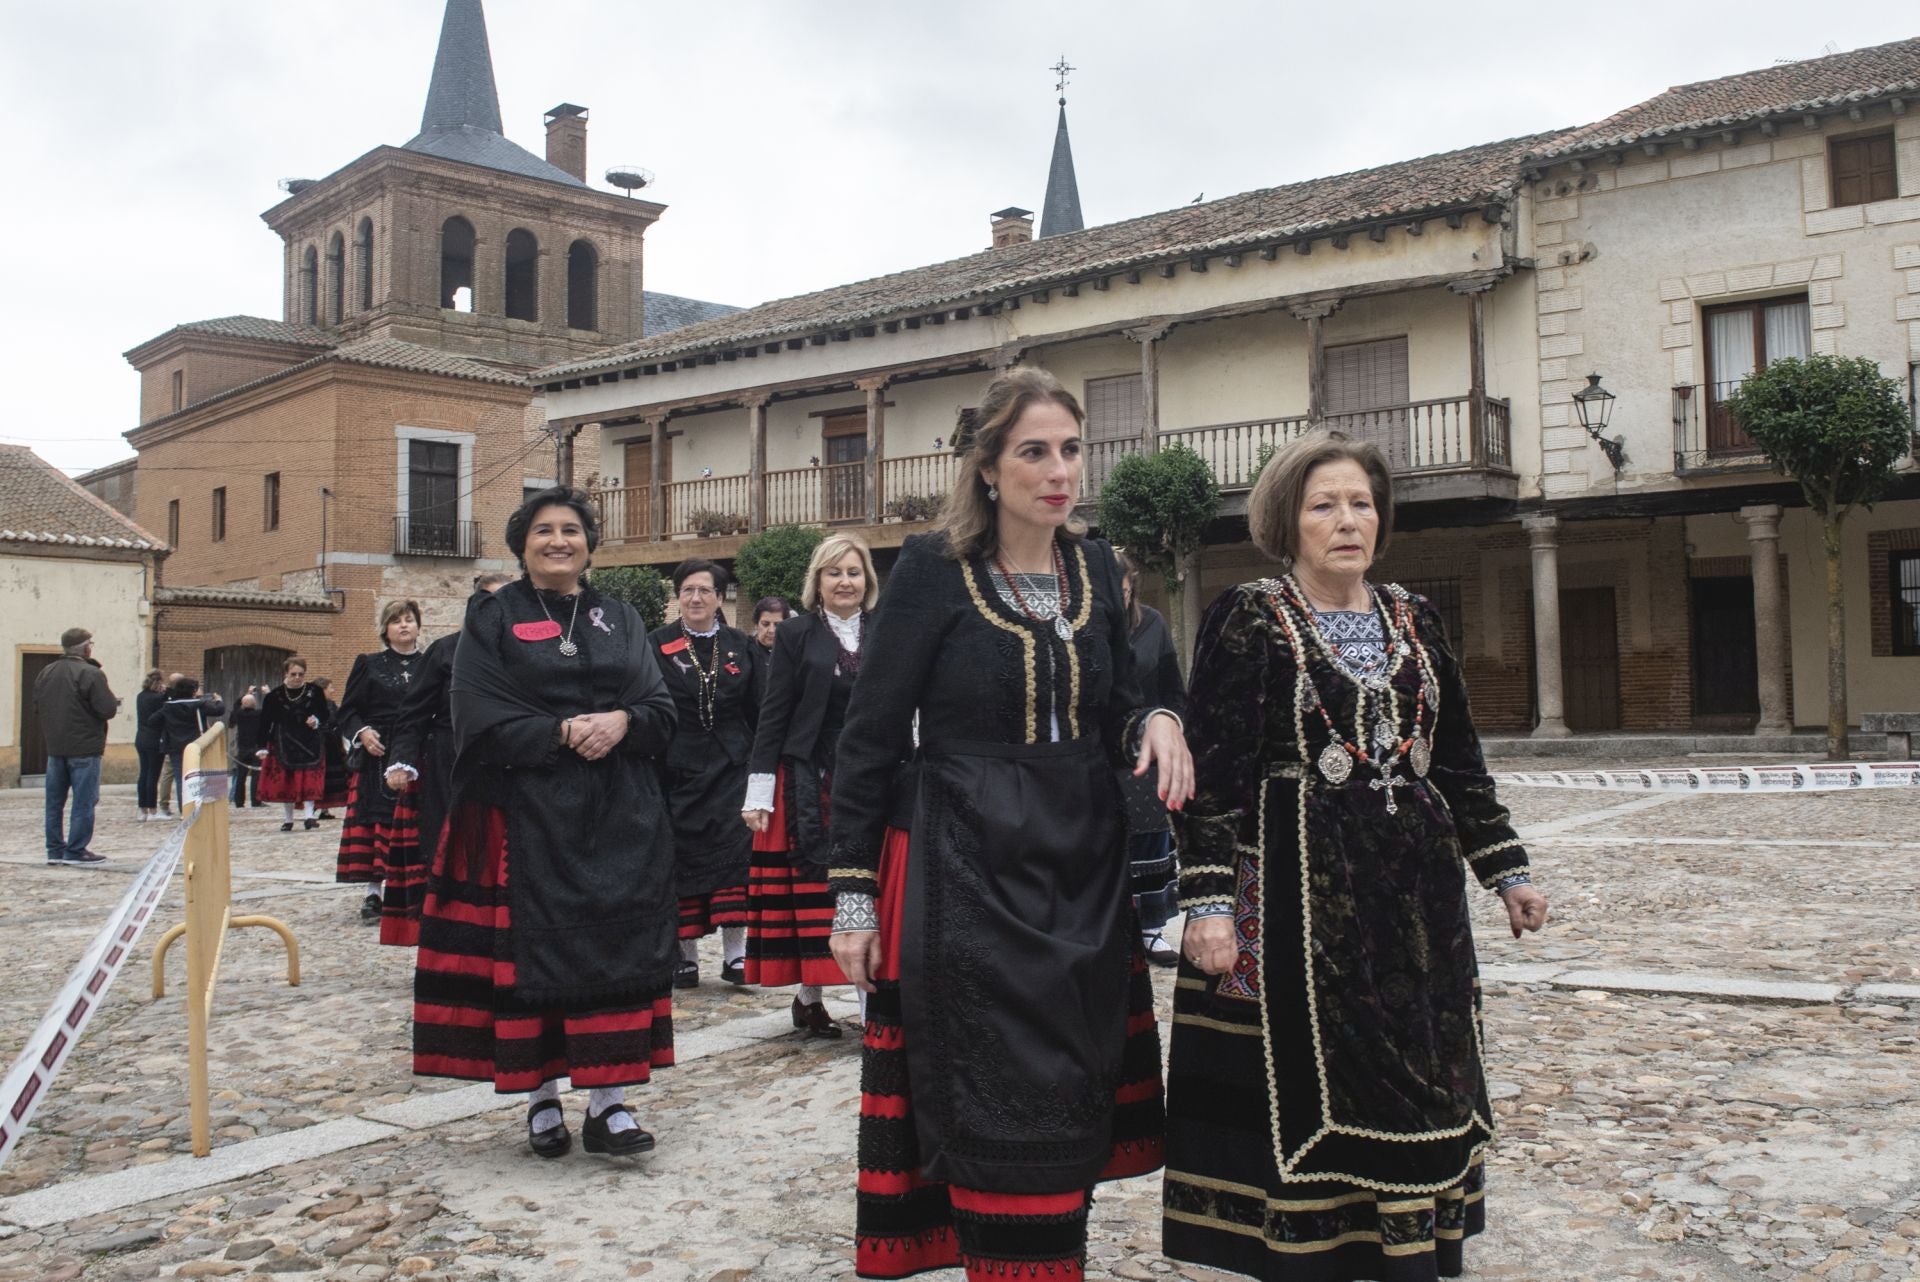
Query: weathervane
1062,71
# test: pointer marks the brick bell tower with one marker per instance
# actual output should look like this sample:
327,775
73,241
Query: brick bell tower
463,240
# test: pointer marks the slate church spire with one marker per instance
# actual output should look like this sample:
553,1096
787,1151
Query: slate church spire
462,91
1061,210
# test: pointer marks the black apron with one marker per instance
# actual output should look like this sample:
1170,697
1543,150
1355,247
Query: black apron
1015,962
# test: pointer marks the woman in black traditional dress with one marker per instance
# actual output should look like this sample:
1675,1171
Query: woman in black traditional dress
1149,842
1327,1105
718,678
1011,1056
769,612
339,779
546,940
420,777
293,764
815,660
368,709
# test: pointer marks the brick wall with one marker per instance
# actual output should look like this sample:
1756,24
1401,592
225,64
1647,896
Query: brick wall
204,374
1879,589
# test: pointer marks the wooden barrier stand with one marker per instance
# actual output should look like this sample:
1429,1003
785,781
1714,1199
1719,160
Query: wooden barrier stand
203,805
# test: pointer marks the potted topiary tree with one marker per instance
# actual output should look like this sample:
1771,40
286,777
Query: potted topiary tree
774,562
1157,506
1837,426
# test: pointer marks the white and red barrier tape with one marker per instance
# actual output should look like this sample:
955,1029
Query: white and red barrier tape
25,1085
1834,777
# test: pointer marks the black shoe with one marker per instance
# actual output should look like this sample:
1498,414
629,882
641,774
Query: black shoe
370,909
310,824
596,1138
287,826
553,1142
686,974
814,1019
1159,952
325,814
256,805
735,973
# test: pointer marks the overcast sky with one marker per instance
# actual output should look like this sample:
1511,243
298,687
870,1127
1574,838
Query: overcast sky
796,145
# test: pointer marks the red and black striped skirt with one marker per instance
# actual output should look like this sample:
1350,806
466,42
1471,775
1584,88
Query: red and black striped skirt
905,1224
277,783
789,918
403,872
363,840
701,915
467,1022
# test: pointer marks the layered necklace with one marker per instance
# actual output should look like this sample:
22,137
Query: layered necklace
848,664
707,677
1384,749
1062,628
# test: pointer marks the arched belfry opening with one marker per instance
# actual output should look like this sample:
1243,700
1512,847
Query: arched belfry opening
309,301
583,286
363,264
523,275
336,278
456,264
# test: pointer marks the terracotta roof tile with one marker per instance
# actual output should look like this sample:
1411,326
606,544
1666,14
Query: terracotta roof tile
391,353
1450,180
40,504
259,327
248,597
1788,89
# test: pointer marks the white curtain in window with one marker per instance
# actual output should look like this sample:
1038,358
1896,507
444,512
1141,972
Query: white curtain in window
1731,334
1789,331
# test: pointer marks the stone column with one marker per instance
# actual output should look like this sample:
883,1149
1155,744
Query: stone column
876,390
1769,622
1543,532
756,464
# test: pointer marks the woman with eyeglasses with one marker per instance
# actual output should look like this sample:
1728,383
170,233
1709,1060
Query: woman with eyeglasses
717,678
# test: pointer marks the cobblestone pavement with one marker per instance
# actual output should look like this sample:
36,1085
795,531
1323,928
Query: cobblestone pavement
1669,1136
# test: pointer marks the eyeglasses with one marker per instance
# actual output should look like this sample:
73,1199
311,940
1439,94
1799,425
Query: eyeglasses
693,591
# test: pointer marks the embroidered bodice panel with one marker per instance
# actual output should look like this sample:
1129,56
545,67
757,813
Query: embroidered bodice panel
1356,639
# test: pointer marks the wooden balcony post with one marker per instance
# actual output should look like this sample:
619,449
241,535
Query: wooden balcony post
1476,292
1315,314
876,390
656,466
756,464
1149,337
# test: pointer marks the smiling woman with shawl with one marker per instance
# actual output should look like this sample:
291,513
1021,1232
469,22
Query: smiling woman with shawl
547,936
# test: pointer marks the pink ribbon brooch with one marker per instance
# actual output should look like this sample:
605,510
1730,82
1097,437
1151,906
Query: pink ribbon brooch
597,617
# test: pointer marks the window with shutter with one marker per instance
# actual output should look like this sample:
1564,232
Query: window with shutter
1367,395
1861,170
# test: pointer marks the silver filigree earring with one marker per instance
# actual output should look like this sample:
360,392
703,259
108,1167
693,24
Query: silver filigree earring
993,494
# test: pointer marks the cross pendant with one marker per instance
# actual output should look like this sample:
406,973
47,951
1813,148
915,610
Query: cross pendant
1387,783
406,676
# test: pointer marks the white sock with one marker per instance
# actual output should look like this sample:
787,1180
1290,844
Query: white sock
286,812
373,888
602,1098
733,944
546,1119
808,994
307,813
863,1006
690,950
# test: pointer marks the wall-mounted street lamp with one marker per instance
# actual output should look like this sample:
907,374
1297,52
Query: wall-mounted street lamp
1594,406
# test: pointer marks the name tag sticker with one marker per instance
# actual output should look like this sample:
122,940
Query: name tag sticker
543,630
674,646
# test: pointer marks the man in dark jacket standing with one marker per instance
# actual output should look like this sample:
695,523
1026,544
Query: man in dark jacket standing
75,706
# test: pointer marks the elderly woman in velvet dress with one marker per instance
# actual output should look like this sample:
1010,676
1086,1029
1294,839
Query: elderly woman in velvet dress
1327,1105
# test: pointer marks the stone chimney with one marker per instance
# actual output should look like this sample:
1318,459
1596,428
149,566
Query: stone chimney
1012,226
567,139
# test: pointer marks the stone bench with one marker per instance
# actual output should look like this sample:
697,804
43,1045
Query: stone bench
1899,727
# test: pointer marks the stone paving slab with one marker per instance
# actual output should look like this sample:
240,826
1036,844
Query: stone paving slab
1710,986
1646,1134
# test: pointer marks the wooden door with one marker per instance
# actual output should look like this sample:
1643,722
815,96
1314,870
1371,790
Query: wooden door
843,479
1590,658
1726,665
1367,393
634,515
33,736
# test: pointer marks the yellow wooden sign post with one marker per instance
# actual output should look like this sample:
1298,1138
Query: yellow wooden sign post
203,802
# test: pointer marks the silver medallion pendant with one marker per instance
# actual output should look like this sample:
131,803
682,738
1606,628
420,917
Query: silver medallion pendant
1062,628
1420,756
1335,765
568,648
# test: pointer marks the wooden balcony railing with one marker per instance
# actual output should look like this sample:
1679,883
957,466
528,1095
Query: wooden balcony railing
916,476
709,506
1233,450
